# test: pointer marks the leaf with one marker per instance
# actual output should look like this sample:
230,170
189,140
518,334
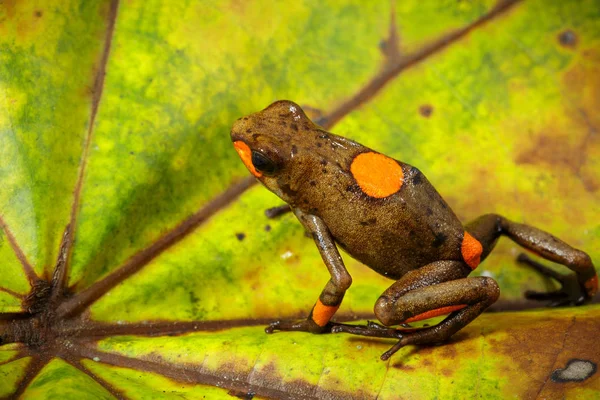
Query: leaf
137,262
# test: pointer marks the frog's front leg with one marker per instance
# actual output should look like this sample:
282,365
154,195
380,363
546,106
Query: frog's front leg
332,295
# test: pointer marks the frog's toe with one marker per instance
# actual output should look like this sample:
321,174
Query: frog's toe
385,356
371,331
375,325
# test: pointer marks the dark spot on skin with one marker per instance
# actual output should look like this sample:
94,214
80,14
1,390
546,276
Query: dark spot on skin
370,221
313,183
313,210
255,136
240,236
319,145
39,13
294,127
248,130
323,161
567,38
267,228
426,110
417,177
439,240
288,190
429,211
245,118
443,204
576,371
294,150
283,123
324,170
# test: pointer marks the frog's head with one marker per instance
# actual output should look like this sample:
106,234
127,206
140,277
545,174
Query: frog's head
268,142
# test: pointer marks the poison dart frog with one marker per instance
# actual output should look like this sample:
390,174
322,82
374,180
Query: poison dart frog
387,215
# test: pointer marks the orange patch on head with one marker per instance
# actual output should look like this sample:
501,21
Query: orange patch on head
471,250
246,155
436,313
591,286
321,313
377,175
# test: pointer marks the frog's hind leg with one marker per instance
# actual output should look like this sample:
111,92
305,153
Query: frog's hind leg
436,289
576,288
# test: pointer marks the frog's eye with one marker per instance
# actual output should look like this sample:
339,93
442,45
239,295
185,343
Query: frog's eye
263,163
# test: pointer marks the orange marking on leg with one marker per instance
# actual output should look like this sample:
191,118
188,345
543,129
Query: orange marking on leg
321,313
246,155
471,250
377,175
435,313
591,285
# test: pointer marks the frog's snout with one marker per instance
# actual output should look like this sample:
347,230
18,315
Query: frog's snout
236,130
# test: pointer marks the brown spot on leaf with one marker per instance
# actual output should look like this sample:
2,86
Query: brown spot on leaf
426,110
567,38
39,13
556,152
240,236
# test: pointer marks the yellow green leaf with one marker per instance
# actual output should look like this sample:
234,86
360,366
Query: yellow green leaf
137,261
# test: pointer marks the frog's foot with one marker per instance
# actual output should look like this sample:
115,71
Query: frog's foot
304,325
288,325
372,329
570,292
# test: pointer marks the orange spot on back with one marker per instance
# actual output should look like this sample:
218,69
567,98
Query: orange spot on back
377,175
321,313
246,155
435,313
591,285
471,250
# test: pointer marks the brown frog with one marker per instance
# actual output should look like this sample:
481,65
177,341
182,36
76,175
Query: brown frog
387,215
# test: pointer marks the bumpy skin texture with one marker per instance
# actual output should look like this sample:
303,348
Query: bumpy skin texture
386,214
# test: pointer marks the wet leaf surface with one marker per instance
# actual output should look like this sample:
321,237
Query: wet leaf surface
136,258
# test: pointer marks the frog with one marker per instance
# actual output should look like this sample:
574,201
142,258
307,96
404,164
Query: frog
388,216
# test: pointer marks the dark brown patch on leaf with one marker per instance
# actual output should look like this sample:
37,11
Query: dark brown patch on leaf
555,152
240,236
426,110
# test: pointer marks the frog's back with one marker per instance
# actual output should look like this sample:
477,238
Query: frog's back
388,216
